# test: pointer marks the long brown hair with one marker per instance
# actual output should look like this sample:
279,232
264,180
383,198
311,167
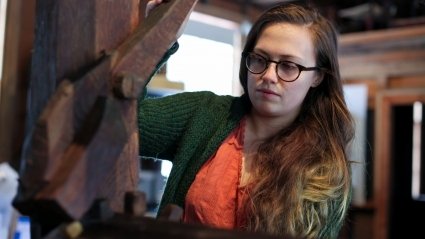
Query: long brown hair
302,174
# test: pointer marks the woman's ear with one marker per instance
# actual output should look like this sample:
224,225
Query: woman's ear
318,79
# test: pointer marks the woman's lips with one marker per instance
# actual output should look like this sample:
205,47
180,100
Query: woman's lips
267,92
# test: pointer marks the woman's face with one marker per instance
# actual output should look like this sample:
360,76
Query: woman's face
270,96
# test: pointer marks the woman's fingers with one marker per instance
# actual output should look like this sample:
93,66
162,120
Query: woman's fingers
152,4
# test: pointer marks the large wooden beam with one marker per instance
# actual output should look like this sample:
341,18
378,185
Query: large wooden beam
83,143
71,36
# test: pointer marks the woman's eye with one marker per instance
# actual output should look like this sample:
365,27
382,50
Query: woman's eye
258,60
288,66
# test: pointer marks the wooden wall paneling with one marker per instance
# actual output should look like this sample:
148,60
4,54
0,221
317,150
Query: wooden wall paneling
220,12
413,81
225,9
19,37
394,63
384,53
382,164
379,40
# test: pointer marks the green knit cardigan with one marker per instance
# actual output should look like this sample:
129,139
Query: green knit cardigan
187,129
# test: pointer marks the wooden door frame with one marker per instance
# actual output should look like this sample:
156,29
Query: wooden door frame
382,163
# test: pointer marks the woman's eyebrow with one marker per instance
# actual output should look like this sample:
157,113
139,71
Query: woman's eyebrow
281,56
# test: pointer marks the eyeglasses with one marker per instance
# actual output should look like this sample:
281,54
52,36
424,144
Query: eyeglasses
286,70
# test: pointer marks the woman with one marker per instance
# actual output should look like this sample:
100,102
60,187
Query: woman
273,160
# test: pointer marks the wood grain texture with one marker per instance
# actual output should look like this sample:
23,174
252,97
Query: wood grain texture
383,53
138,57
84,142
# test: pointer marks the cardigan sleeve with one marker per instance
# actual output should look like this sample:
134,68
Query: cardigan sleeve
163,122
173,49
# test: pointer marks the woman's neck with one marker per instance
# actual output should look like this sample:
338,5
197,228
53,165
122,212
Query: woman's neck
260,128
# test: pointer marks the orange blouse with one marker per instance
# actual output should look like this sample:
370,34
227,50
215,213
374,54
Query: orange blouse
215,198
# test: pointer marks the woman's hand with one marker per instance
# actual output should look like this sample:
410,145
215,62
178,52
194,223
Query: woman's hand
152,4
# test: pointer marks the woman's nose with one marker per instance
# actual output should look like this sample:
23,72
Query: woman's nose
270,74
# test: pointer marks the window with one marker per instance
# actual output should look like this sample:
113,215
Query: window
208,57
202,64
356,98
3,4
418,179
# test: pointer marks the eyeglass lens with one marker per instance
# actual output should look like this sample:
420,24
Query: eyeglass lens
286,70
